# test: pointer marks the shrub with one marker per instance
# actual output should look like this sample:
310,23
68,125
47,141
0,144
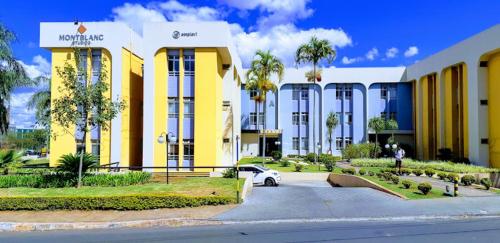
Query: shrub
429,172
445,166
310,157
417,172
380,175
299,167
361,150
442,175
405,171
468,180
276,155
371,173
69,163
284,163
452,176
393,171
125,179
486,182
129,202
350,171
362,171
330,165
407,183
387,176
395,179
424,187
229,173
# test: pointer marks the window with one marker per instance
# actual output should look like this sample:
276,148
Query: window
173,63
338,92
304,93
253,93
188,62
80,146
392,115
82,69
305,118
295,118
295,143
96,149
383,114
253,118
188,149
173,107
173,151
383,92
393,92
339,143
348,141
305,143
96,64
348,116
261,118
348,92
339,116
295,92
188,107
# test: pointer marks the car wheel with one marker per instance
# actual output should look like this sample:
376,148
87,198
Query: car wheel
269,182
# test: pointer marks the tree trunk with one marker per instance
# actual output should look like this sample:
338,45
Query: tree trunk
314,117
330,140
264,133
80,165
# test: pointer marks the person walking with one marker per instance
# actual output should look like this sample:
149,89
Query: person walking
400,154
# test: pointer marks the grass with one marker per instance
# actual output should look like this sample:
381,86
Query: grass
277,166
38,162
185,186
414,164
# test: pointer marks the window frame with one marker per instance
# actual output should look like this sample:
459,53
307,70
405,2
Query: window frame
173,101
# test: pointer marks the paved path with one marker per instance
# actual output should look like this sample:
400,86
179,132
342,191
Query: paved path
463,191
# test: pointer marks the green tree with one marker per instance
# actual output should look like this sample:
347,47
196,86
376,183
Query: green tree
83,103
332,121
313,52
263,66
12,75
376,124
391,125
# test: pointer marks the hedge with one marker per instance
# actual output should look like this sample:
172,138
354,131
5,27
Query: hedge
415,164
128,202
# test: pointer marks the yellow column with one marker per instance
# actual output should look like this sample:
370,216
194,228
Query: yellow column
448,109
125,132
425,117
181,107
466,110
106,134
493,114
160,105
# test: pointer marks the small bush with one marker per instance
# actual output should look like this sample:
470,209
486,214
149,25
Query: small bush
452,176
361,150
362,171
310,157
276,155
380,175
442,175
349,171
468,180
387,176
429,172
299,167
125,179
330,165
407,183
417,172
284,163
229,173
424,187
405,171
395,179
393,171
486,182
70,163
371,173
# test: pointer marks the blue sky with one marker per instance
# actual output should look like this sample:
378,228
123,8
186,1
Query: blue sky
365,33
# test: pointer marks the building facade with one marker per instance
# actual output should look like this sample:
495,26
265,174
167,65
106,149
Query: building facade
184,79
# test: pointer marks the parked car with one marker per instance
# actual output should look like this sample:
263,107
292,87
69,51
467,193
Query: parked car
262,175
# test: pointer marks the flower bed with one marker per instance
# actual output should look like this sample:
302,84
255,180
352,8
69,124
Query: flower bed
414,164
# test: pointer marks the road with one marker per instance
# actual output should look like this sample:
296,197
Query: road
472,230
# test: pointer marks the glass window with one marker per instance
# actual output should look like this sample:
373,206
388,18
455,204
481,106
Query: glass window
295,118
348,116
96,149
82,69
80,146
261,118
339,143
173,63
305,143
338,92
295,92
173,107
173,151
348,92
392,115
96,64
383,92
295,143
253,118
188,62
253,93
304,93
305,118
348,141
188,107
188,149
339,116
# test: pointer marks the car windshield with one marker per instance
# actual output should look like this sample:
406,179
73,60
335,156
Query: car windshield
262,167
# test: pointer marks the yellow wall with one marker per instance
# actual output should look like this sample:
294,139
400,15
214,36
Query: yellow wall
132,93
466,111
105,134
208,107
429,88
425,117
448,132
493,114
160,105
417,116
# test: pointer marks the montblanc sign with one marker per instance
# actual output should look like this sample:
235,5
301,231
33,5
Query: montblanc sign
81,39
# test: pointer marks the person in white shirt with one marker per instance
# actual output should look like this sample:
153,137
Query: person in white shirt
400,154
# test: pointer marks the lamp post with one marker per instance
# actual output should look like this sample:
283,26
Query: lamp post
167,138
318,150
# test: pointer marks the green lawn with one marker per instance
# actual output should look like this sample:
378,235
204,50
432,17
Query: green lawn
411,193
277,166
185,186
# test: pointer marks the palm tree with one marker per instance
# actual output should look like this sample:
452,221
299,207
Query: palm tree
11,158
40,101
263,66
12,75
391,125
313,52
332,121
376,124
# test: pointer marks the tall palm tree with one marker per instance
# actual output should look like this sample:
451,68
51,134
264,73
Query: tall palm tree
12,75
263,66
391,125
377,124
313,52
332,121
40,101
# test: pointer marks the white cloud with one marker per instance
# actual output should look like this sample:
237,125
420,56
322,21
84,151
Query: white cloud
135,15
412,51
273,12
20,116
347,60
372,54
391,52
40,67
176,11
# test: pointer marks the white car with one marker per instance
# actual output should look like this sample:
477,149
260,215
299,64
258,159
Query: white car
262,175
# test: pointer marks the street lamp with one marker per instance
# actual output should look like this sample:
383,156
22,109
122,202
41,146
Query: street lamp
318,150
394,146
167,138
387,146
